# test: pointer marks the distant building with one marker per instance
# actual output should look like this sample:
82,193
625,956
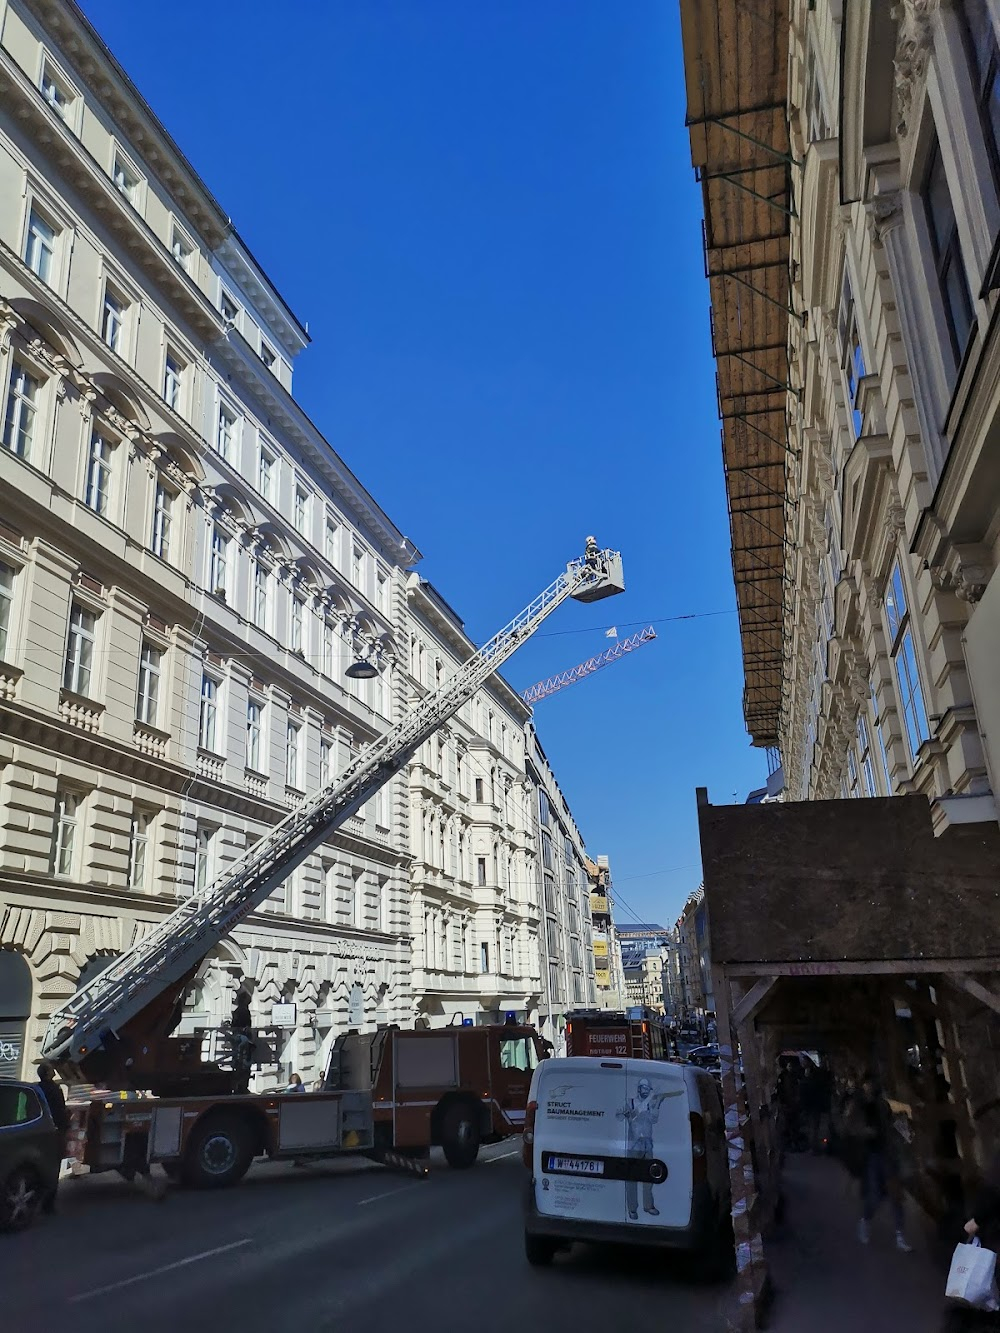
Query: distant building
565,939
608,974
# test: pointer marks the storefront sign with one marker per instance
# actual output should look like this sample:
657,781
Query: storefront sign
284,1015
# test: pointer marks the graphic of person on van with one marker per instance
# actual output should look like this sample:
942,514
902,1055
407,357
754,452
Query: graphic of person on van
640,1115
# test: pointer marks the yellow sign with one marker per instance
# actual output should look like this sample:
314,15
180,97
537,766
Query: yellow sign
600,948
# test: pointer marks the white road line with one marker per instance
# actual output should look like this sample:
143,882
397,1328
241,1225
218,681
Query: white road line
516,1152
155,1272
375,1197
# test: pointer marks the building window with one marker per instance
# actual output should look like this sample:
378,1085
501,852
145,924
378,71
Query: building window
138,849
481,870
255,719
332,540
267,355
181,249
953,281
984,58
98,492
147,704
358,567
260,587
865,753
6,607
877,720
301,509
265,474
64,832
853,784
382,592
228,307
79,650
298,610
904,659
817,125
328,649
292,755
326,752
56,92
113,320
208,713
225,432
218,565
163,502
126,179
479,790
40,246
543,807
173,381
203,845
22,406
852,356
484,957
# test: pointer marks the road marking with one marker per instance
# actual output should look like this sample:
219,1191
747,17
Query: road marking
516,1152
155,1272
375,1197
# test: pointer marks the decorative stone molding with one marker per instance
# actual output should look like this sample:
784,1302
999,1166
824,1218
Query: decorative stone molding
913,47
971,582
885,213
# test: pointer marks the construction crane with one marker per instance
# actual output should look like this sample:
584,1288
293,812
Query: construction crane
556,683
116,1030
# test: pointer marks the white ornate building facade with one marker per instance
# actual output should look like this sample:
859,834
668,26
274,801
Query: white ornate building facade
475,905
893,635
186,569
562,890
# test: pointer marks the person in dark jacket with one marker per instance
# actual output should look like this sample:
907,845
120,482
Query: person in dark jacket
984,1223
55,1100
880,1177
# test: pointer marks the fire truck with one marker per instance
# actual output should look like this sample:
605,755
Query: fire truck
636,1033
155,1097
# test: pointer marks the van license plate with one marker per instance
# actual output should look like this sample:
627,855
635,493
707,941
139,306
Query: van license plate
577,1166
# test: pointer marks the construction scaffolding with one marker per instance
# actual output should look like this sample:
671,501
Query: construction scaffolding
849,928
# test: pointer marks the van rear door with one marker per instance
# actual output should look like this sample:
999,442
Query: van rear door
657,1112
580,1139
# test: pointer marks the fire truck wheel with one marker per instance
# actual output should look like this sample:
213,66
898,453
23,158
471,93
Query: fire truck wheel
218,1153
460,1135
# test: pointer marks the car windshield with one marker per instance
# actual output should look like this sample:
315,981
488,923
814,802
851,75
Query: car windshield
518,1053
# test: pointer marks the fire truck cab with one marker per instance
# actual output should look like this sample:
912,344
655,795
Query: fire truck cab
636,1034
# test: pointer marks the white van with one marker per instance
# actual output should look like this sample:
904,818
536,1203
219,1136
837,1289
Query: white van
628,1151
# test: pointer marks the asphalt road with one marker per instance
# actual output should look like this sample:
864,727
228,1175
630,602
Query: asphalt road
334,1246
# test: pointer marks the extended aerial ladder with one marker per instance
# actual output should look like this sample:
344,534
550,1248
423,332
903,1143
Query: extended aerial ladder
116,1030
553,684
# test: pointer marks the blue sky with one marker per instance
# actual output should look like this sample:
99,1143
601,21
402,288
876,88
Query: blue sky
486,212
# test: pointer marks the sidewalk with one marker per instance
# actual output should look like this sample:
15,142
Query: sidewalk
825,1281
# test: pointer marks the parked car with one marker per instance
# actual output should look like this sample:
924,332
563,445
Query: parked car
630,1152
31,1150
706,1057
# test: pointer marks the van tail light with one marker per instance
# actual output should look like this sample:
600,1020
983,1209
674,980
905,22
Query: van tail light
528,1137
698,1149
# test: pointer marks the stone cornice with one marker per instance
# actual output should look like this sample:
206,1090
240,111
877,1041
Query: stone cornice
95,185
81,45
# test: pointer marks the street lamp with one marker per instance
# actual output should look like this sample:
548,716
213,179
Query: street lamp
361,670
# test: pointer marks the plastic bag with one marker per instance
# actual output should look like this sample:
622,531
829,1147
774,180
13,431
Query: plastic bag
972,1277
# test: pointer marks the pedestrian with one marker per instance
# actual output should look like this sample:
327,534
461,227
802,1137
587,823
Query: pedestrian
870,1127
54,1098
790,1096
984,1224
294,1084
817,1099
